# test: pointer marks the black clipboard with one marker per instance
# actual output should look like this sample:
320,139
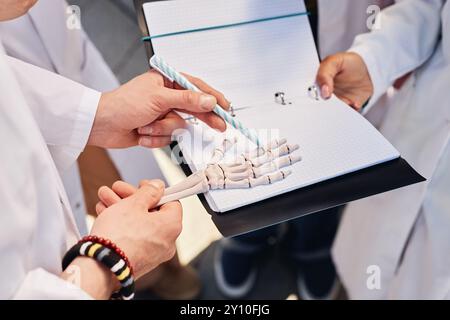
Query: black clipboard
314,198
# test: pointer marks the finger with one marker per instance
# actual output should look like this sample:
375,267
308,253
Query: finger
204,87
356,105
170,207
353,103
164,127
186,100
99,208
108,196
123,189
212,120
328,70
148,196
172,214
346,101
154,142
147,181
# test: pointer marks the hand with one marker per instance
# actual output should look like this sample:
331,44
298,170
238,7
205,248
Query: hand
345,75
118,191
140,111
147,238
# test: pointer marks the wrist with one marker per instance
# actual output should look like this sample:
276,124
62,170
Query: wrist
108,263
99,132
92,277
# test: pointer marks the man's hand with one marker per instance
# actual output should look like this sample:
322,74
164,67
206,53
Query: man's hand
145,234
345,75
140,112
147,238
118,191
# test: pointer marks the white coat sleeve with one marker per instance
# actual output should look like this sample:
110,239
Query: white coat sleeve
408,34
64,110
32,288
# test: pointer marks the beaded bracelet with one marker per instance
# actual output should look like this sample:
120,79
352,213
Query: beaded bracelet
109,258
109,244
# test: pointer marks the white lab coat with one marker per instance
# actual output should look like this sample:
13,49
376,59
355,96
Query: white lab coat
36,223
42,38
339,23
406,232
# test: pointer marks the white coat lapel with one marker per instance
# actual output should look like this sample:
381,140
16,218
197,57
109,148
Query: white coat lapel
62,43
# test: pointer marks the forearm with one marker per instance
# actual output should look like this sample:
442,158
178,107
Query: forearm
103,132
91,277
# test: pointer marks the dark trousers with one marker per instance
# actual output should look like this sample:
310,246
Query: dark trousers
307,236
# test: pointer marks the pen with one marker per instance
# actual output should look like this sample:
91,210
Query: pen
170,73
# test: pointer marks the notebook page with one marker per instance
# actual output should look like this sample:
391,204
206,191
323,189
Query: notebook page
265,57
334,139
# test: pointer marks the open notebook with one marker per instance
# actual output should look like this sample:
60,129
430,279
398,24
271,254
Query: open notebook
249,62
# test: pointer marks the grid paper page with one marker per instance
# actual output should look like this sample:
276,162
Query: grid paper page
334,139
264,57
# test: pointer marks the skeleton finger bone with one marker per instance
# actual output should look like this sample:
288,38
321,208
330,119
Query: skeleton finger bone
259,156
270,178
219,152
235,176
254,182
260,151
275,165
247,170
273,154
187,183
174,196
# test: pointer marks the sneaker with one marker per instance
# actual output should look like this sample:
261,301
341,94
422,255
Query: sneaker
235,268
317,280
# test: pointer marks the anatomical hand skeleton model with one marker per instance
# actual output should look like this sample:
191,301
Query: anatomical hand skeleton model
259,167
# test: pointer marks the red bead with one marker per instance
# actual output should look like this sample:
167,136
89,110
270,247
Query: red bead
110,245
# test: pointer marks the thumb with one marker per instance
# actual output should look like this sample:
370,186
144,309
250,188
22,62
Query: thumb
148,195
187,100
328,70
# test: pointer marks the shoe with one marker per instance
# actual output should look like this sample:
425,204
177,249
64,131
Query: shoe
317,280
235,268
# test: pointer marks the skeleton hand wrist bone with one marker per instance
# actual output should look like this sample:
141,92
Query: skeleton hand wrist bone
258,167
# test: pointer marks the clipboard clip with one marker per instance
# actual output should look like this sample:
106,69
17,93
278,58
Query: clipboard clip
280,98
314,92
232,111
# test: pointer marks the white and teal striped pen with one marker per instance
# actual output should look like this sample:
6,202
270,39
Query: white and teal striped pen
159,64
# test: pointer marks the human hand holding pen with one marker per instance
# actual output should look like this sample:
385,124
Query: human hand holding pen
140,112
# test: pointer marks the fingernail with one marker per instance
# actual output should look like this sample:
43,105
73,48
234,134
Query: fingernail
207,102
325,91
156,183
146,130
145,142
